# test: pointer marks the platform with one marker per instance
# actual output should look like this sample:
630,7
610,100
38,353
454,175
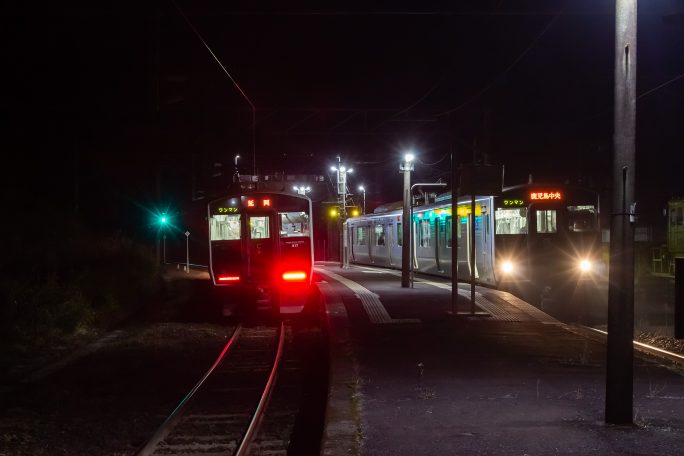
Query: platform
409,377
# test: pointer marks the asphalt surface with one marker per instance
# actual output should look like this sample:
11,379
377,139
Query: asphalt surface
408,377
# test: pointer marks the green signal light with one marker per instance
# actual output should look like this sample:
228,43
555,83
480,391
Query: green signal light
163,219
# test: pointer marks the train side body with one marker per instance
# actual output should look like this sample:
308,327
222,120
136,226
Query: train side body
531,239
376,239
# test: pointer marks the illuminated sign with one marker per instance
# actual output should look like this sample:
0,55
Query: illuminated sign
264,202
513,203
227,210
465,210
538,196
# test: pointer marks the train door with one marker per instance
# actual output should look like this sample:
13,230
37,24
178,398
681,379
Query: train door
390,241
395,244
351,241
548,228
440,242
260,247
484,238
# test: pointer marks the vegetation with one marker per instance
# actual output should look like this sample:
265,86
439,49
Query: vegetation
70,280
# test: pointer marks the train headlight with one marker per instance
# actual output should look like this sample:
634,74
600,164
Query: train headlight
585,266
507,267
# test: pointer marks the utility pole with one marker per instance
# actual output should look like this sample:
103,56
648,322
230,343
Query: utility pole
620,355
406,167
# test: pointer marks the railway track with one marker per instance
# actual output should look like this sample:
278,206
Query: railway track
223,412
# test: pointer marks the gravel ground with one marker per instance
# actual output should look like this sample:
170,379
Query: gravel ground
109,400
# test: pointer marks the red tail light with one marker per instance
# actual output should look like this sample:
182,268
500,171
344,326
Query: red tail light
229,278
294,276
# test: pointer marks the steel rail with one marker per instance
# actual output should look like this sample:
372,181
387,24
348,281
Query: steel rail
243,448
646,348
166,426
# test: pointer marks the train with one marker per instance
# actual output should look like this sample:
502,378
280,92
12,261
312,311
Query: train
533,239
261,250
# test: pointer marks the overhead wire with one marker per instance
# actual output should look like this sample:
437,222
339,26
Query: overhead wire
509,68
235,83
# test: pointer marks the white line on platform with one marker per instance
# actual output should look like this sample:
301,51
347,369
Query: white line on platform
371,302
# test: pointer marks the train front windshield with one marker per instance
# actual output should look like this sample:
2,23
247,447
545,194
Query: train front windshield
293,224
582,219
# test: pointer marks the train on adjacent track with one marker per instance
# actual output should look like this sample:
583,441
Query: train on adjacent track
261,249
535,240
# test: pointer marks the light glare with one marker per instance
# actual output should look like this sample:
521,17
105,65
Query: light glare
585,265
507,267
294,276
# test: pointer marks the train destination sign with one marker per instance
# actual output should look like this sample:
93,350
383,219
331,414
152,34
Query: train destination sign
228,210
263,202
537,196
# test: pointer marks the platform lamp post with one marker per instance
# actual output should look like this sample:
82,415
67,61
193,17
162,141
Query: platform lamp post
363,190
406,166
342,171
236,173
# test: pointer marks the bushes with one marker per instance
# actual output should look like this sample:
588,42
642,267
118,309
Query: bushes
71,282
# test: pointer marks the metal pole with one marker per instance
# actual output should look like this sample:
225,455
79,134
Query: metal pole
472,247
406,231
412,237
364,202
187,252
157,253
454,237
164,249
620,356
679,299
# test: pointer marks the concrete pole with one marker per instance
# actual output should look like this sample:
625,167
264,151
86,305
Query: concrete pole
342,179
406,231
620,356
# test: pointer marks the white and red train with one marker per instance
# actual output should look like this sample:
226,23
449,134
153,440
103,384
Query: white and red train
261,249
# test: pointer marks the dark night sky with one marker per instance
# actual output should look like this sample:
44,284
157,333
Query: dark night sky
129,90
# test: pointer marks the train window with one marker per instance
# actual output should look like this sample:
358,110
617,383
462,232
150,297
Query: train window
361,235
581,218
447,228
224,227
379,235
511,221
400,229
294,224
258,227
546,221
425,233
676,216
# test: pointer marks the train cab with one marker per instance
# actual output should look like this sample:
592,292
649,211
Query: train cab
548,234
261,249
